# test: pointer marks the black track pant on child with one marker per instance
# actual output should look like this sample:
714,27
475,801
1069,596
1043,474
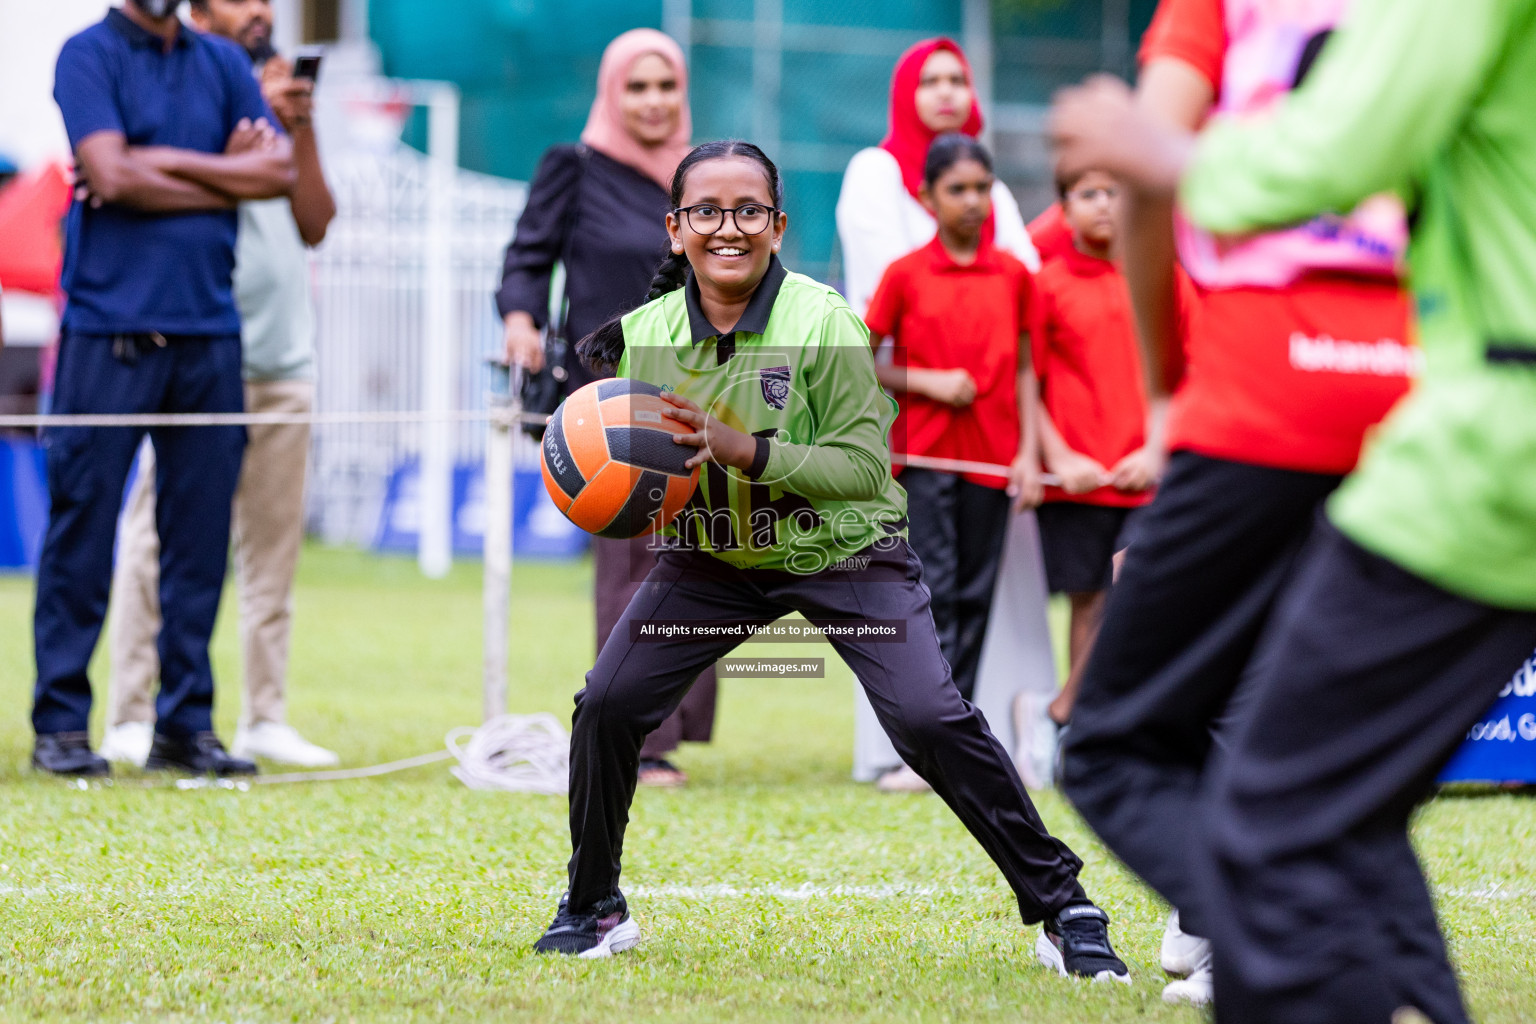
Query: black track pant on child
1364,686
1209,560
957,530
635,685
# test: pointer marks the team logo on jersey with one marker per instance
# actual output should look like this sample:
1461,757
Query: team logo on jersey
774,381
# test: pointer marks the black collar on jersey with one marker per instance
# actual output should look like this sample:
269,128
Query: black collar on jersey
754,319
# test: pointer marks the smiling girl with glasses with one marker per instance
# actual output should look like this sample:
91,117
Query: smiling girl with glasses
796,511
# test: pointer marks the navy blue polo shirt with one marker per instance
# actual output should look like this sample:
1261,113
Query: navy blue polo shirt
130,271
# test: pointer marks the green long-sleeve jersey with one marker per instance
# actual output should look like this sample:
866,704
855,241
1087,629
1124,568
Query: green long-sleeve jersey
797,372
1437,100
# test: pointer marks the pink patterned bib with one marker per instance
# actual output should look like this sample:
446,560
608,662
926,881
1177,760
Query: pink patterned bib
1267,42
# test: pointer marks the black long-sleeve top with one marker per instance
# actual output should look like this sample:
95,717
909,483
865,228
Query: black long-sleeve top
606,222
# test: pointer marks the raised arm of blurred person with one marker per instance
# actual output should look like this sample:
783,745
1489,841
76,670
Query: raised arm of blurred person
1369,118
1180,95
292,100
1363,123
1177,86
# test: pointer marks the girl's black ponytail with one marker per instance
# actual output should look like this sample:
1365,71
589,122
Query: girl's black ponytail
602,349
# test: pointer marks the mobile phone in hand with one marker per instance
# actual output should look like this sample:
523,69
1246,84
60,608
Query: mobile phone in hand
307,66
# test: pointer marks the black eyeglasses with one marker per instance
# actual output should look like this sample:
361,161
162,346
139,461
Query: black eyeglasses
707,218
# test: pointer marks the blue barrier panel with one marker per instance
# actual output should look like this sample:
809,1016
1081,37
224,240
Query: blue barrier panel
1502,746
23,503
538,528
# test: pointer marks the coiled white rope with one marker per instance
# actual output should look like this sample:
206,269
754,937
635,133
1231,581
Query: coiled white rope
517,753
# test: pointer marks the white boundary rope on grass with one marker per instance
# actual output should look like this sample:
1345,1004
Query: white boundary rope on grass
500,416
251,419
347,774
526,753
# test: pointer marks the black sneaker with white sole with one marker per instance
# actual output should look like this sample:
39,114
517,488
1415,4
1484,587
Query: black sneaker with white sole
605,930
1076,942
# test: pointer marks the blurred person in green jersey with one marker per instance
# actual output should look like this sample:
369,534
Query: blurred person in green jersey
1416,602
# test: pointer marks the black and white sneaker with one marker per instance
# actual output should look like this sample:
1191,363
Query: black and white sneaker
606,930
1076,942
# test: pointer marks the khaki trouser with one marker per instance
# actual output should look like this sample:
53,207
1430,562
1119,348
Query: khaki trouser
267,532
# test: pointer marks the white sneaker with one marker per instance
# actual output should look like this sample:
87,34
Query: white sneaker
1183,954
1195,990
128,743
902,780
275,741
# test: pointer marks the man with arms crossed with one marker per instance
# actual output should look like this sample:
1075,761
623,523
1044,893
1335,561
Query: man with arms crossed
170,132
277,336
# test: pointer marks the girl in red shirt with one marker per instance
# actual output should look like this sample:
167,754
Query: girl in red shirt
958,309
1096,434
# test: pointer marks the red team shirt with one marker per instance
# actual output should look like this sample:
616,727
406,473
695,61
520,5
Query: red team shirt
1083,334
945,315
1252,391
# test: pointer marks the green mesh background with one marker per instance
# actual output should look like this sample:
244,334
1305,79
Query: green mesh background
527,70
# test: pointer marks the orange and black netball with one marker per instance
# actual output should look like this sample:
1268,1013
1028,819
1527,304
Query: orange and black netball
610,463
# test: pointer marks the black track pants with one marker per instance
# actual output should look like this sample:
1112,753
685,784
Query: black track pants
1210,557
957,530
1362,689
636,684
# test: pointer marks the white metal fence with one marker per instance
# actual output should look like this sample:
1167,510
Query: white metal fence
370,288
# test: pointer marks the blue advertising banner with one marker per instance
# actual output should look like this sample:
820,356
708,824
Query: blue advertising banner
1502,746
23,503
538,528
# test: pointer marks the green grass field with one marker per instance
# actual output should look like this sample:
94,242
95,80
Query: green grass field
772,889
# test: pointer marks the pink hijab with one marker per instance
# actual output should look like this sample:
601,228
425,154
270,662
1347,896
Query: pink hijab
605,130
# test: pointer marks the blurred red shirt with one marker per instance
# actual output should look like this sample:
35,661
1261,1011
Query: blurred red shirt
1092,382
946,315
